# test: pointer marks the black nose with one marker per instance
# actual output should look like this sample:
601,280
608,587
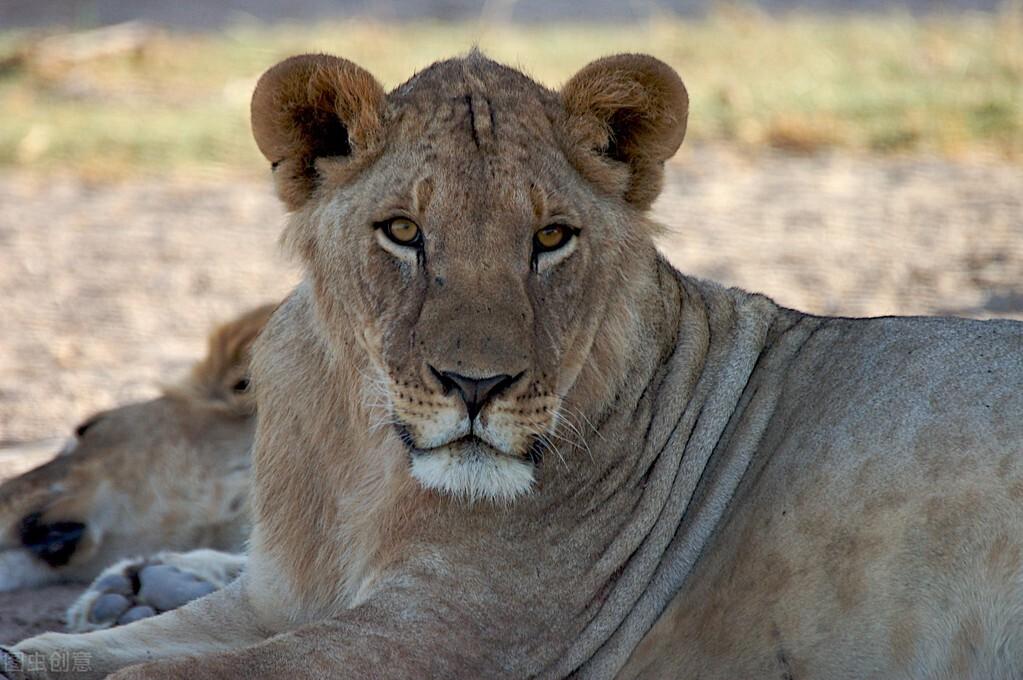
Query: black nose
475,392
52,543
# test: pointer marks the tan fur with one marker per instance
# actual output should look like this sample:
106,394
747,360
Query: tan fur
169,473
721,488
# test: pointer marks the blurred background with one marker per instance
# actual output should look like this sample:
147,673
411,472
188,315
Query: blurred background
844,157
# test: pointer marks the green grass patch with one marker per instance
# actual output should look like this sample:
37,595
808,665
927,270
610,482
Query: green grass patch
887,83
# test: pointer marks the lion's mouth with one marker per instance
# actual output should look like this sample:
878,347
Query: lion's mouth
470,446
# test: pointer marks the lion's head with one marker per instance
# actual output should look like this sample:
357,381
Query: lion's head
475,227
167,473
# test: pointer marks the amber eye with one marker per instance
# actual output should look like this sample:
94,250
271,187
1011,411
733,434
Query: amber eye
552,237
402,231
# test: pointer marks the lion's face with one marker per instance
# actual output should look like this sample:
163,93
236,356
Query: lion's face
471,249
474,275
473,278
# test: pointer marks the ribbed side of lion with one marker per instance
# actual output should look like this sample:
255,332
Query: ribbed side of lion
500,436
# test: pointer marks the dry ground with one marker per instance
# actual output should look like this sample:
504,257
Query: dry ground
106,290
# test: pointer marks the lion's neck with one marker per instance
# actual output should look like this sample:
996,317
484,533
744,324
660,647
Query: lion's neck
628,360
663,465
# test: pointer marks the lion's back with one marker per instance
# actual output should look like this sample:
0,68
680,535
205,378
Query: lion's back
888,494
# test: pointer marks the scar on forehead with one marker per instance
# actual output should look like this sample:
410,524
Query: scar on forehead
538,197
422,192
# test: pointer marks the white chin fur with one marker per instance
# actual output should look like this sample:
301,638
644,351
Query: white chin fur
474,477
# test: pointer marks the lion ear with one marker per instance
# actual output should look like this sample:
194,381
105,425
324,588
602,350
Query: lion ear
311,107
627,112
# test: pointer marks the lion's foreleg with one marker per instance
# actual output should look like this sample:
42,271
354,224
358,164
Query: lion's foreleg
221,621
393,638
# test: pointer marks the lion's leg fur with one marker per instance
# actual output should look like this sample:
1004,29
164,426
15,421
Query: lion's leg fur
382,638
379,638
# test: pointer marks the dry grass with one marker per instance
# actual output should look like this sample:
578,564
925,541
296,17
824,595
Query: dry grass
947,85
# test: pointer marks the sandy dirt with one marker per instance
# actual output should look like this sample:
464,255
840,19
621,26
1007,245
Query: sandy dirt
27,613
107,290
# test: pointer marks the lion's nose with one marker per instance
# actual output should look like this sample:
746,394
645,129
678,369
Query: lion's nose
475,392
53,543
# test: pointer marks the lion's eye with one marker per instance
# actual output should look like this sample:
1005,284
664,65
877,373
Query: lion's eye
402,231
552,237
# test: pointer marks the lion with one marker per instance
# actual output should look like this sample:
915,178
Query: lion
501,436
171,473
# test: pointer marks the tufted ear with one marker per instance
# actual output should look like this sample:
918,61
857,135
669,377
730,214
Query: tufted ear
311,107
631,110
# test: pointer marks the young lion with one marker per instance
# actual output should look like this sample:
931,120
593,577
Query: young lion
172,473
500,436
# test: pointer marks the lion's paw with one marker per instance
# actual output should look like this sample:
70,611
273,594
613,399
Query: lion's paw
135,589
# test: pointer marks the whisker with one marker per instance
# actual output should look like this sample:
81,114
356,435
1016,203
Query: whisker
575,410
561,419
576,440
544,439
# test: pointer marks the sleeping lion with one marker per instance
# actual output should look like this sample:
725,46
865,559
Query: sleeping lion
170,473
500,436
